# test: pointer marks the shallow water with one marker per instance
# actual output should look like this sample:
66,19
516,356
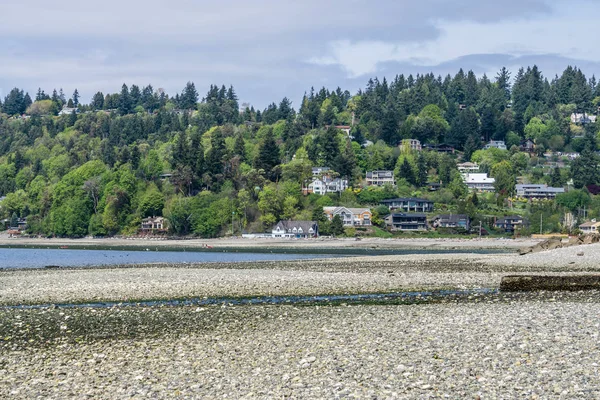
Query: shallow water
40,258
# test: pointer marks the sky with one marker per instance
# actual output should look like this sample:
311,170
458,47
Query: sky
270,49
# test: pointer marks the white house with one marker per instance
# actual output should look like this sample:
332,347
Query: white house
380,178
350,216
327,185
295,229
479,182
583,118
498,144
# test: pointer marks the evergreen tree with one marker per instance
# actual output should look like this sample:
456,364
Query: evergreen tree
189,97
345,162
406,172
556,178
337,226
328,147
98,101
76,98
216,153
285,109
239,147
135,95
267,157
124,101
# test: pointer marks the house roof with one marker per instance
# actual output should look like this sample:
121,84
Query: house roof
589,224
478,178
407,199
451,217
336,210
509,219
414,215
290,225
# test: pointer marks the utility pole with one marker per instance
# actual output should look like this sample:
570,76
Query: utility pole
479,229
541,222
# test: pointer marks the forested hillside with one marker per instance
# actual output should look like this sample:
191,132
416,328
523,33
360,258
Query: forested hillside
209,167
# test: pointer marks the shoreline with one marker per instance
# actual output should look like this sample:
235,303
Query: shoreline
320,244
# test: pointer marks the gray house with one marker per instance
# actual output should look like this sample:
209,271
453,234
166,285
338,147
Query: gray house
409,204
407,222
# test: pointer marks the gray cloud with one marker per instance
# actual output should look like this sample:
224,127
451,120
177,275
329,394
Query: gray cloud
263,48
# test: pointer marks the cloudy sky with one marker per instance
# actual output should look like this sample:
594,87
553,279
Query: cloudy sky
268,49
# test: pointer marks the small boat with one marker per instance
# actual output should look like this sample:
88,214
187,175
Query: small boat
64,247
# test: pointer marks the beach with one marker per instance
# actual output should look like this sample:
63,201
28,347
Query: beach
487,344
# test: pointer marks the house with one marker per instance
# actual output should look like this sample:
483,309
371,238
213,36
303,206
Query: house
467,167
498,144
409,204
527,146
582,118
411,144
350,216
479,182
451,221
406,222
530,191
380,178
511,223
590,227
153,224
68,111
295,229
326,185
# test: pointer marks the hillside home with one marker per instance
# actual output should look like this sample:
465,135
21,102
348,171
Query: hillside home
531,191
411,144
326,185
350,216
409,204
511,223
498,144
380,178
68,111
407,222
153,225
479,182
295,229
582,118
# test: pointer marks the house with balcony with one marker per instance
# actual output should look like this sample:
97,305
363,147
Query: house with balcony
380,178
326,185
409,204
153,225
510,224
295,229
532,191
350,216
406,222
411,144
479,182
497,144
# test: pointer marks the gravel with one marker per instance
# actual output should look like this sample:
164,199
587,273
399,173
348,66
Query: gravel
531,345
526,348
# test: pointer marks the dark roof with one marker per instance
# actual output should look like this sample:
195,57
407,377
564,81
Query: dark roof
305,225
415,215
509,219
406,199
451,217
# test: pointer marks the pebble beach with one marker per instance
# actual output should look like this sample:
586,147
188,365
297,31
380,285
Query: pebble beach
488,345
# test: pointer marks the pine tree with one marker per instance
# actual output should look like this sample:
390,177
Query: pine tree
216,153
267,157
124,101
239,147
189,97
345,162
328,147
76,98
98,101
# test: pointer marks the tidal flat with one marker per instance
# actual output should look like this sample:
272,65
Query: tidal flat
498,345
